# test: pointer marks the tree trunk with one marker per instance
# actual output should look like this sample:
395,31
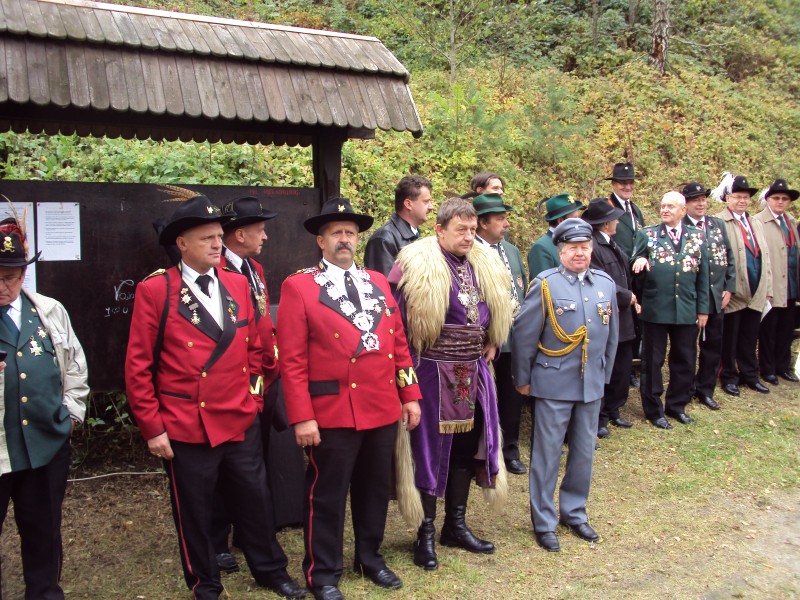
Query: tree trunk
633,19
595,17
452,40
658,54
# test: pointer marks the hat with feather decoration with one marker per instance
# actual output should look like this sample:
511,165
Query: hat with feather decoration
14,241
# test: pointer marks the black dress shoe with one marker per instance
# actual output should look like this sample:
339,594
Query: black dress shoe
327,592
227,563
602,432
583,531
731,389
620,422
772,379
547,540
516,466
384,578
682,418
758,387
707,401
788,377
661,423
288,589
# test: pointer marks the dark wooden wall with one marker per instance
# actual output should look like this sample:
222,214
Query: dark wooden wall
119,248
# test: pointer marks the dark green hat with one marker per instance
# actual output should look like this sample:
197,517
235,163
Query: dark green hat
560,206
489,203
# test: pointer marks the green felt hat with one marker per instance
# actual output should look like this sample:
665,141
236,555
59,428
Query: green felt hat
489,203
560,206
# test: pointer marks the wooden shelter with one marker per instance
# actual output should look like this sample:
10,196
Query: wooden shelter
97,69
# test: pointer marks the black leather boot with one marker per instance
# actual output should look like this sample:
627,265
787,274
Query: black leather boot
455,532
425,545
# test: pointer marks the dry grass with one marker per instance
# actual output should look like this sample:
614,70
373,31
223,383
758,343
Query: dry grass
704,511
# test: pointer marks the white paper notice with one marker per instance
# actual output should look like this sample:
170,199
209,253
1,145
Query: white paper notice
24,208
59,230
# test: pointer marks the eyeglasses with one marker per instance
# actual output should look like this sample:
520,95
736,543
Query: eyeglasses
10,280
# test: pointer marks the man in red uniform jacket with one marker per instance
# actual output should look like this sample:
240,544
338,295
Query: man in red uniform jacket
193,377
347,379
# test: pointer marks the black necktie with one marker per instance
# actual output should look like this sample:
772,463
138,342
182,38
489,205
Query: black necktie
352,292
204,283
9,322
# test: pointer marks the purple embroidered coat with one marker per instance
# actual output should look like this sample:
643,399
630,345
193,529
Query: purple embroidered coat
431,449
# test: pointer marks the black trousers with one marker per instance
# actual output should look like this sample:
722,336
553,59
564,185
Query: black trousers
360,461
238,469
682,356
38,495
775,336
710,349
615,393
739,340
220,518
509,406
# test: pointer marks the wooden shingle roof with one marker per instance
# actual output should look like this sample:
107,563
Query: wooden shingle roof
103,69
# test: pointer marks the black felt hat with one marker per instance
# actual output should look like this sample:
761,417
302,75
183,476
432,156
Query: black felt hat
600,211
622,172
247,210
694,190
779,186
337,209
740,184
191,213
13,245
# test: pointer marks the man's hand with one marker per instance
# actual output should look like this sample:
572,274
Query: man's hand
726,297
633,299
525,390
159,447
641,264
306,433
489,352
411,415
702,320
638,309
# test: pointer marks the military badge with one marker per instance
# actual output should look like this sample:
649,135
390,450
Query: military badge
36,349
604,311
41,332
185,297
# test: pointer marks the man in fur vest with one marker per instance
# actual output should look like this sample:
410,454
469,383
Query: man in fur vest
455,299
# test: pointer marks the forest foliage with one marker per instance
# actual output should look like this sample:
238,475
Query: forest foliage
548,93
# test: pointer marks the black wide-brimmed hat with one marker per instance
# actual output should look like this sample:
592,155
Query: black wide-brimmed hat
572,230
622,172
246,210
600,211
13,245
740,184
779,186
191,213
337,209
694,190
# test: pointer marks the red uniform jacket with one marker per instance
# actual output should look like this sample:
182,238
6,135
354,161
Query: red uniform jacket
266,329
201,391
327,372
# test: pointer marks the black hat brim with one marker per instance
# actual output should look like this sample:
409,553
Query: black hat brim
704,194
313,224
172,230
265,215
615,213
19,262
793,194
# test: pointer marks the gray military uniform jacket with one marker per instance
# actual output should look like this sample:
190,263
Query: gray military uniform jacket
593,303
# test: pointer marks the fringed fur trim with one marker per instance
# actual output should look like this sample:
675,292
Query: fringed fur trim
446,427
426,282
497,496
408,500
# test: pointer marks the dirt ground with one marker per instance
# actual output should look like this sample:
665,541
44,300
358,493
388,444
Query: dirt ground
699,542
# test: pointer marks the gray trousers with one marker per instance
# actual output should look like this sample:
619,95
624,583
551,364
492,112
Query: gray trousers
555,418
